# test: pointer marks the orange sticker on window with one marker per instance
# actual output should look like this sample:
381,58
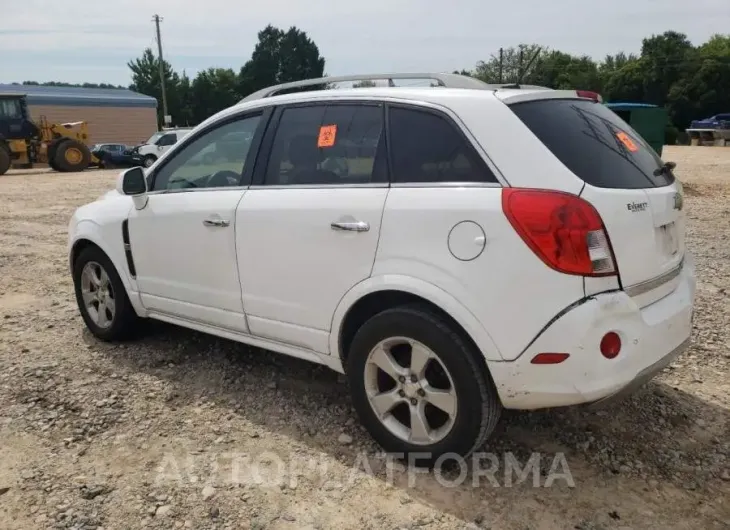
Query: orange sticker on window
327,136
627,141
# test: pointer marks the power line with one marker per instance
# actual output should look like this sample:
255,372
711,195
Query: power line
157,20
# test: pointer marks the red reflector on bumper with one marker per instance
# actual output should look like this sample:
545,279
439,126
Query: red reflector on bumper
549,358
610,345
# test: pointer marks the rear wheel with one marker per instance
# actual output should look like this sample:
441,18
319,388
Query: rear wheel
71,155
4,159
417,386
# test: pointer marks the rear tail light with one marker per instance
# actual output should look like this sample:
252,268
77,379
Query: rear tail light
563,230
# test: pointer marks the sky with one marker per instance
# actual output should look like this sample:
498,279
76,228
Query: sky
92,40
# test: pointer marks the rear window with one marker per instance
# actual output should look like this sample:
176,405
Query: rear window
594,143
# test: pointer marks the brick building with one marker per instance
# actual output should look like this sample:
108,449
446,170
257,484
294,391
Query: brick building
114,115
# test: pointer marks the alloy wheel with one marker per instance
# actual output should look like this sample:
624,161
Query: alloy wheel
410,390
98,294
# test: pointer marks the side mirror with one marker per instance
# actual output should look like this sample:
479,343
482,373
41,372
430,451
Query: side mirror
159,148
132,182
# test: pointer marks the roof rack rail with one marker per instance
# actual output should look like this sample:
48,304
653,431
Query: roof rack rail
443,80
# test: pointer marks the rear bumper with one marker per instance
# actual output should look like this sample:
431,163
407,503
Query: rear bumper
651,339
646,375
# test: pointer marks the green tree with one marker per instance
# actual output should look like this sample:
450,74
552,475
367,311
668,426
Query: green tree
665,59
515,63
702,91
213,90
73,85
625,83
562,71
280,57
146,80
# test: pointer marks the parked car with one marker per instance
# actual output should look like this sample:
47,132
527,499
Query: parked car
718,121
147,153
504,248
113,154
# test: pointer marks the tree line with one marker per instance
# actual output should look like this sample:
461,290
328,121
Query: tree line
691,81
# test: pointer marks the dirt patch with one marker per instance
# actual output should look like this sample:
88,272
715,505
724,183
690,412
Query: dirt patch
183,430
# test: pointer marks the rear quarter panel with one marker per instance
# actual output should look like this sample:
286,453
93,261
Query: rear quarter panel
510,291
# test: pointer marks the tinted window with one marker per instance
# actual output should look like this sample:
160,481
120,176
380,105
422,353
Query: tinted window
217,158
327,144
426,147
593,142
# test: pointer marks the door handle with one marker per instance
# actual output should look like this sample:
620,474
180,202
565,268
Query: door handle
216,222
353,226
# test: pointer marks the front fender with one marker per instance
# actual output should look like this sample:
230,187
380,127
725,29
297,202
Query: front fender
423,289
87,230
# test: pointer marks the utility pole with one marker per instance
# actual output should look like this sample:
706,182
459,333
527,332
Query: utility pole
501,64
157,20
530,62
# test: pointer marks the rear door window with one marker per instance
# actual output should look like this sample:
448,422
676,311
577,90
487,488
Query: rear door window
594,143
427,147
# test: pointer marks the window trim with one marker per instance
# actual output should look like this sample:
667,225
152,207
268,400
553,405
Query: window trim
460,132
247,174
262,162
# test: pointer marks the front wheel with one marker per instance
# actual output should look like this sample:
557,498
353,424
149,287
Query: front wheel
149,160
101,296
418,388
71,155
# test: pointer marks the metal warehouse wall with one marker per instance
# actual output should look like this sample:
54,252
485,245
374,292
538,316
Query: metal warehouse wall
126,125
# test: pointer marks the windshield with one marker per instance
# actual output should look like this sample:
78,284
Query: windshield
154,138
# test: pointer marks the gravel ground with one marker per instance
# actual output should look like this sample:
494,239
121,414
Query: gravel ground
182,430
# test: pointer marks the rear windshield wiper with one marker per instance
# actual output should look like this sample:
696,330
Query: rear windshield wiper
665,168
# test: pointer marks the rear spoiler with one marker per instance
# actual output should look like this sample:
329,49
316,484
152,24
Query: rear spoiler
518,96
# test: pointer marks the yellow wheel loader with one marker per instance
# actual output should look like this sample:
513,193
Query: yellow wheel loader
24,143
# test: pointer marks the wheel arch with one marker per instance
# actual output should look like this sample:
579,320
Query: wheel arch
87,233
377,294
87,240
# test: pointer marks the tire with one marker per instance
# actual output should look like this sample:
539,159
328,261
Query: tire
122,319
51,155
104,160
477,404
71,155
148,160
5,159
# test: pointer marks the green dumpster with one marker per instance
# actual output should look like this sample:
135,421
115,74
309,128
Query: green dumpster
649,121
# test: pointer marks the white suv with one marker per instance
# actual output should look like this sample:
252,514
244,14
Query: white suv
158,144
454,250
